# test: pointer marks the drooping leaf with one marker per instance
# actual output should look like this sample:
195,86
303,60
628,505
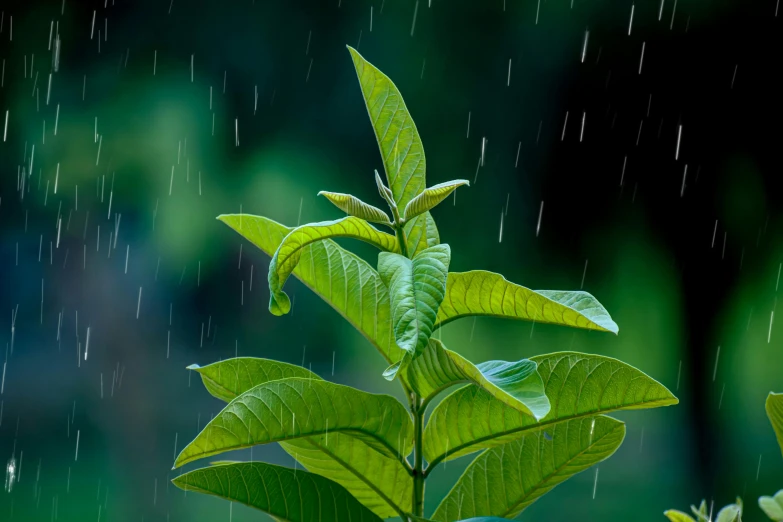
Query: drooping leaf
232,377
354,206
391,372
678,516
578,386
431,197
773,506
730,513
293,408
416,288
289,252
400,147
286,494
486,293
505,480
342,279
774,407
380,483
516,384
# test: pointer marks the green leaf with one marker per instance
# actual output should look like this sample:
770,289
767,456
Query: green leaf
774,407
421,233
730,513
416,287
342,279
678,516
505,480
232,377
286,494
431,197
356,207
486,293
516,384
578,386
773,506
289,252
293,408
399,144
380,483
701,512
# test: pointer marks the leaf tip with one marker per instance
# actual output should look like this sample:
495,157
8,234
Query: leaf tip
193,366
279,304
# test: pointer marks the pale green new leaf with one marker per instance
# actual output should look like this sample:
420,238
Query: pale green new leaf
289,252
342,279
701,512
678,516
773,506
416,288
286,494
516,384
774,407
227,379
431,197
293,408
505,480
381,483
354,206
400,146
486,293
730,513
578,385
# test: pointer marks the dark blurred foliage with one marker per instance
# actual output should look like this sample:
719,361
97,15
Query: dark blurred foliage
685,262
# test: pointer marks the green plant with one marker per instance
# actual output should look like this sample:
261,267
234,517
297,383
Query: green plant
771,506
540,419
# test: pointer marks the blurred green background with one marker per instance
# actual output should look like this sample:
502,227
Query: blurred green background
131,125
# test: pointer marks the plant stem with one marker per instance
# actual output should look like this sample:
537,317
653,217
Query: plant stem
402,240
418,457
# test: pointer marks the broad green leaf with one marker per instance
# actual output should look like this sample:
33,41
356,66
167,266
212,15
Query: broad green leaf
286,494
730,513
289,252
416,288
678,516
516,384
486,293
342,279
773,506
774,407
293,408
431,197
399,144
354,206
380,483
227,379
505,480
578,386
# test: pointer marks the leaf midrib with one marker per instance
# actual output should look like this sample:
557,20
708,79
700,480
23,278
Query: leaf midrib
393,452
539,425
